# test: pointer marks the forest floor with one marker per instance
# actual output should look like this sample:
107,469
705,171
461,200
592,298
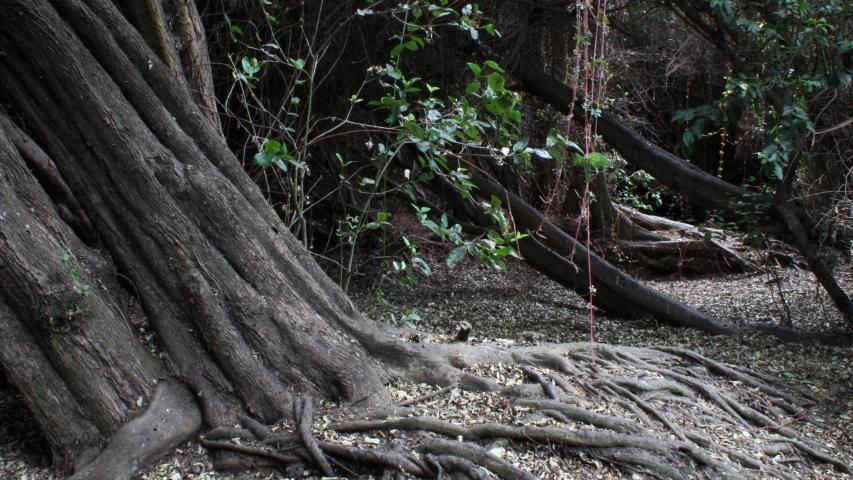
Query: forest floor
520,307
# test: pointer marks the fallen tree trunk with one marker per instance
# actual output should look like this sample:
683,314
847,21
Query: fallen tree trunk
694,249
656,223
552,251
636,236
549,249
681,256
561,257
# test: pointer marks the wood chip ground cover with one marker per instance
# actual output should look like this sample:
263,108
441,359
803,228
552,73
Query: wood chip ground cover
520,308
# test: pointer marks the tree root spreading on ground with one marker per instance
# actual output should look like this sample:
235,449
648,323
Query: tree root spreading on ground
663,412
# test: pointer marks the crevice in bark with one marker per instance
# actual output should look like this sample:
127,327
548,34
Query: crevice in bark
68,347
174,31
43,168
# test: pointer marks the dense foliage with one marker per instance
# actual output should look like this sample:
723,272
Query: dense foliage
753,92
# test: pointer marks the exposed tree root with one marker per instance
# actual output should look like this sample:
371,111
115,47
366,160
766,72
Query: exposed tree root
454,464
303,413
691,249
479,456
172,417
665,412
683,255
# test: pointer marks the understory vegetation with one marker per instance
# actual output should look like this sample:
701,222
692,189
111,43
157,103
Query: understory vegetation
556,239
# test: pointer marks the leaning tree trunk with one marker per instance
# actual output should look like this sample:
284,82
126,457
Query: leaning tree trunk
558,255
240,311
698,186
550,249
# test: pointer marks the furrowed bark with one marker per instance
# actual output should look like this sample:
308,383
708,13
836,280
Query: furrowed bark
67,344
240,287
174,31
242,313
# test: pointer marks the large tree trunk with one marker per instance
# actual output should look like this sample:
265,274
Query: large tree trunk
105,142
240,311
48,323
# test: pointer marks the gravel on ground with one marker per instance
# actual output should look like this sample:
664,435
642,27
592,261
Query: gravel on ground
520,307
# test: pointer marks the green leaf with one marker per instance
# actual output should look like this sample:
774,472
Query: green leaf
545,154
274,147
457,255
494,66
250,66
597,160
421,265
557,155
414,129
263,160
412,45
496,82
